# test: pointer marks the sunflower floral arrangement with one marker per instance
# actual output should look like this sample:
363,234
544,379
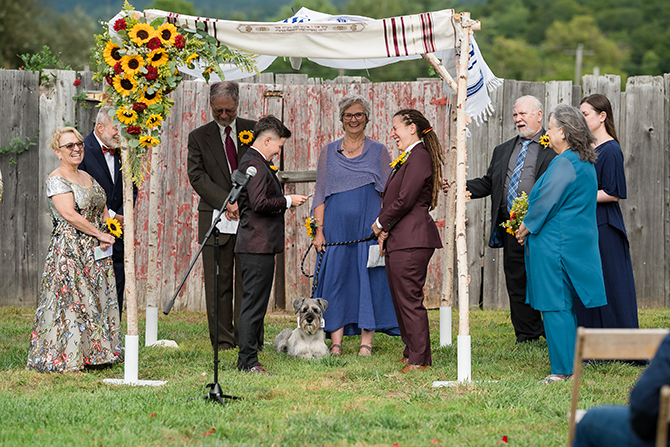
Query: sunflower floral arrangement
137,64
516,214
311,226
114,227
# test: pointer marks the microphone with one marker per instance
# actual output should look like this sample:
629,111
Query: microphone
239,182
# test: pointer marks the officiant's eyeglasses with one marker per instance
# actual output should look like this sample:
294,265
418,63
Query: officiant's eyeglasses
70,146
349,116
220,111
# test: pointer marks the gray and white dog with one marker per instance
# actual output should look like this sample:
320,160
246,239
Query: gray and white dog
307,341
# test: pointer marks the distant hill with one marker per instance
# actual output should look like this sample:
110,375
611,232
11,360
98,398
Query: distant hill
252,9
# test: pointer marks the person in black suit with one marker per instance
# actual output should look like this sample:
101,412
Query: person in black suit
214,151
527,322
260,235
102,160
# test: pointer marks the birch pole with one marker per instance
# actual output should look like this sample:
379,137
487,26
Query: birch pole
464,344
446,298
151,336
132,339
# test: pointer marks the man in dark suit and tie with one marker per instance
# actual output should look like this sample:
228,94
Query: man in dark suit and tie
515,166
260,235
103,162
214,151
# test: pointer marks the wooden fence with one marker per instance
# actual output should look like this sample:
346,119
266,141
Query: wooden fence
309,108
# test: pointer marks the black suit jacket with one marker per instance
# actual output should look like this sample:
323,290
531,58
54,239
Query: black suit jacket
493,183
95,164
208,169
262,206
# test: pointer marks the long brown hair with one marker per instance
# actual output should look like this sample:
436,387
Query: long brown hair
600,104
432,144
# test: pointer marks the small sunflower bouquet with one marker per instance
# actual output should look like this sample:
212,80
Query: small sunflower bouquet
137,64
114,227
516,214
311,225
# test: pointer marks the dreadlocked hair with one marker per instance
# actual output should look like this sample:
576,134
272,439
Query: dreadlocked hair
432,144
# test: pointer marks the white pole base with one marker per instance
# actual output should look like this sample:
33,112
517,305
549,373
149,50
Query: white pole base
464,359
451,383
445,326
131,366
151,333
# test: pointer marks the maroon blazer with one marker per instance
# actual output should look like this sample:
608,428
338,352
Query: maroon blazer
262,206
406,202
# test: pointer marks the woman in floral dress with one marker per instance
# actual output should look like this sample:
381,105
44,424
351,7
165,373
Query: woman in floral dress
77,322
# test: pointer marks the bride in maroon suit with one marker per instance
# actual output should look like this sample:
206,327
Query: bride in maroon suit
407,232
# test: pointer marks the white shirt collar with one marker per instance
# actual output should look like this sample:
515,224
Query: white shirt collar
233,131
262,155
409,149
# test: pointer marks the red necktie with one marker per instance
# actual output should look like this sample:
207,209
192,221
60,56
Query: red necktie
231,152
111,150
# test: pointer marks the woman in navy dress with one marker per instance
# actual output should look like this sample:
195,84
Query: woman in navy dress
350,178
621,308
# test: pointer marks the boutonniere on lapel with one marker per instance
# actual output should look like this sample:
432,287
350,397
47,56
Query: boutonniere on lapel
395,164
544,141
272,166
246,137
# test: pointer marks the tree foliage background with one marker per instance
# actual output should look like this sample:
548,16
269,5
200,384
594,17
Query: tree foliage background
532,40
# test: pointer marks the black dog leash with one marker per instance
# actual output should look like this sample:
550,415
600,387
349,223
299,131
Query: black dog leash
320,258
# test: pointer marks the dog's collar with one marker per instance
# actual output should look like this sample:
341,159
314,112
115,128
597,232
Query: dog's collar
323,322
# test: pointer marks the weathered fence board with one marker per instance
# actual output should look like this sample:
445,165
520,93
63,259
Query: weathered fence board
310,111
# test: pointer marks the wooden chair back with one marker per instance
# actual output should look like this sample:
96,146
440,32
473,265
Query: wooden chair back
610,344
663,417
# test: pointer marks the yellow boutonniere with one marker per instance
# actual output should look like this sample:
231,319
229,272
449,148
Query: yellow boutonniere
114,227
395,164
544,140
246,136
311,226
273,167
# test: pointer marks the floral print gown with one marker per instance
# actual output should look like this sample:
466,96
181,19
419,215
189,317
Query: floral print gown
77,322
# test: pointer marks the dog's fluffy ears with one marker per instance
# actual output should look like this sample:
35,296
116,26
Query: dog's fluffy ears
298,302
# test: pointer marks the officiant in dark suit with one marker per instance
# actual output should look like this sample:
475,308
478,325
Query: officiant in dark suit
214,151
102,160
260,237
515,166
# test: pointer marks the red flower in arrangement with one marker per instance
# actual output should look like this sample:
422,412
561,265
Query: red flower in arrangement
139,107
134,130
154,43
117,68
109,80
76,82
120,25
179,42
152,72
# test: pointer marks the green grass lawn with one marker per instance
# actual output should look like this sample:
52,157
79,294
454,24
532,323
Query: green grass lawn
337,401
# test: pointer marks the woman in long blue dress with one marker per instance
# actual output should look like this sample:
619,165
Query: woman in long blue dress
621,308
561,238
351,175
77,321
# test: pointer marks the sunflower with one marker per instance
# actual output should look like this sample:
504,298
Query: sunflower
151,98
111,53
132,64
246,136
190,59
126,115
157,57
141,33
148,141
114,227
544,140
154,121
125,85
167,33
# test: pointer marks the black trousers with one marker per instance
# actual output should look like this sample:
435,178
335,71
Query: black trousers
257,275
527,321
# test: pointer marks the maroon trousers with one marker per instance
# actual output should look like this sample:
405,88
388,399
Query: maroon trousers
406,271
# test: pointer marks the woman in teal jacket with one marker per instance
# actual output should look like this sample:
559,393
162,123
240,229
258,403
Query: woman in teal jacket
561,238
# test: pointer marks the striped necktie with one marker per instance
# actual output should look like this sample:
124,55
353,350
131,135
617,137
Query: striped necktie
516,175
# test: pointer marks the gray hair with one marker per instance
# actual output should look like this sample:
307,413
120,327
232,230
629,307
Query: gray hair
229,89
576,131
103,116
536,103
350,100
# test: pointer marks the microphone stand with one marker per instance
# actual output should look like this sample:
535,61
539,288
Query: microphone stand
215,394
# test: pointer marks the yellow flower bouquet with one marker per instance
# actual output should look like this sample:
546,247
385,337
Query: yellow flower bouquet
516,214
137,64
311,226
114,227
